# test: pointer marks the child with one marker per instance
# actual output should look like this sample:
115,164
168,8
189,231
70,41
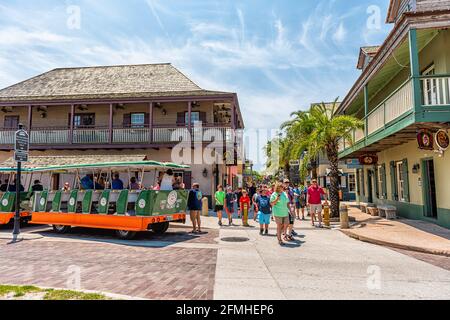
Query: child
264,211
244,204
220,202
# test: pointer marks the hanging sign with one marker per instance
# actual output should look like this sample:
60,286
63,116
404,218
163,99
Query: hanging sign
425,139
442,140
368,159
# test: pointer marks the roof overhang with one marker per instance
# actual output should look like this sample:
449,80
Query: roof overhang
393,54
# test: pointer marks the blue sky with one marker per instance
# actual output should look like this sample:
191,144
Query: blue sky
279,56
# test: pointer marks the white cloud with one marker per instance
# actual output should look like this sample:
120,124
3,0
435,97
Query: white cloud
340,33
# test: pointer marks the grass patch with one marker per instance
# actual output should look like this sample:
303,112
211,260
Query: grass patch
18,291
50,294
72,295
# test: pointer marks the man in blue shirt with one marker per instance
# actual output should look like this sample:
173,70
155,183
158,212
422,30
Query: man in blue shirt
87,183
117,184
195,207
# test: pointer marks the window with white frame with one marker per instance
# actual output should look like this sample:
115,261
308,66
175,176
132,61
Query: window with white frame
137,120
400,182
352,182
380,182
195,117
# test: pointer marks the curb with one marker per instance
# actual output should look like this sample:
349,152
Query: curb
353,235
21,237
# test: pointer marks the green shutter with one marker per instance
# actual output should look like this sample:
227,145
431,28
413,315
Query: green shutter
377,191
363,184
384,184
393,181
406,180
358,183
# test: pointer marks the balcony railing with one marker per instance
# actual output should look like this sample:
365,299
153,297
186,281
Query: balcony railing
120,135
436,90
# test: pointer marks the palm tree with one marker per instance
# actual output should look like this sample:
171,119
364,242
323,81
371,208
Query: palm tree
325,129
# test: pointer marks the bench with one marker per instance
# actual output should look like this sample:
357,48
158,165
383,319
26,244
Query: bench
388,212
373,211
364,205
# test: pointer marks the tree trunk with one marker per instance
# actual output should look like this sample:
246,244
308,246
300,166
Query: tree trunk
332,153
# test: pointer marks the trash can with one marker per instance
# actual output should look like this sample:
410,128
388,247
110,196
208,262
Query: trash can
343,215
205,207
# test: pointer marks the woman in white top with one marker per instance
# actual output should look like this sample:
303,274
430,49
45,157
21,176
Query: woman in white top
167,181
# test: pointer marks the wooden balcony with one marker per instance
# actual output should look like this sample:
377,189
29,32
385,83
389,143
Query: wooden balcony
118,136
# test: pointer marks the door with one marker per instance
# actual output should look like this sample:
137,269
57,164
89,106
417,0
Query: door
429,189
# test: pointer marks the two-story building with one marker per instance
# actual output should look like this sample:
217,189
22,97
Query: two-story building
128,110
403,95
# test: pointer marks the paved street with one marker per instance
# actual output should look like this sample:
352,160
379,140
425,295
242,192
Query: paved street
322,264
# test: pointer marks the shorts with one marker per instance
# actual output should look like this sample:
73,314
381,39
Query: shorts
298,205
282,220
230,209
218,208
316,208
264,218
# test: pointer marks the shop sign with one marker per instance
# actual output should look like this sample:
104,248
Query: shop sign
442,140
367,160
425,139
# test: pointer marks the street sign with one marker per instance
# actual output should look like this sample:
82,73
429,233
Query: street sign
21,146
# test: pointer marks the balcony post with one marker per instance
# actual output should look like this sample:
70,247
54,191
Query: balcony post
150,121
111,123
233,115
415,70
72,115
189,116
366,110
30,118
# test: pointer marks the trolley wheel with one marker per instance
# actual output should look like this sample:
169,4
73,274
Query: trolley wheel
61,229
125,235
160,228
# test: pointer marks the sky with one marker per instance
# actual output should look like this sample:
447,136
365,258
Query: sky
278,56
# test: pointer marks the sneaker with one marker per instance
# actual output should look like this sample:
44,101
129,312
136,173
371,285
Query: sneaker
261,232
220,223
230,222
266,232
294,233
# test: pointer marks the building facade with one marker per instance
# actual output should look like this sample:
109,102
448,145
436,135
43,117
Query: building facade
127,110
403,96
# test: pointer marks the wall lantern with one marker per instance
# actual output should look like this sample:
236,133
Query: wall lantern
205,173
164,112
416,168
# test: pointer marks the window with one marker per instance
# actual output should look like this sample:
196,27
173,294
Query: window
84,120
11,122
137,120
380,182
351,182
400,182
195,117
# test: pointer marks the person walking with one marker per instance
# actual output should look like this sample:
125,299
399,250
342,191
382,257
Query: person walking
280,209
230,200
264,209
314,200
195,207
244,205
290,193
220,203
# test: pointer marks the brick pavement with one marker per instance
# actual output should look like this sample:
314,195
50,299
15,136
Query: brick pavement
153,273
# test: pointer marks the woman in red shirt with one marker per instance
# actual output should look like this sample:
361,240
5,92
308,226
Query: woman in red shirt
244,204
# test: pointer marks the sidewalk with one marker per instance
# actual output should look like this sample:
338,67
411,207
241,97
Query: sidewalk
412,235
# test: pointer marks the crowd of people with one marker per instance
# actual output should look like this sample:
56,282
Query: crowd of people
281,202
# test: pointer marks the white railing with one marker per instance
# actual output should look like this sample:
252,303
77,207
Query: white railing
90,136
393,107
436,91
359,135
49,136
171,134
7,136
130,135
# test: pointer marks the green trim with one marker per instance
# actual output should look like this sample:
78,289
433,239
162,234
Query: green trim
366,111
415,70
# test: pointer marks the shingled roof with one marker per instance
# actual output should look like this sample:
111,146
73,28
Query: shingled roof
369,51
106,82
